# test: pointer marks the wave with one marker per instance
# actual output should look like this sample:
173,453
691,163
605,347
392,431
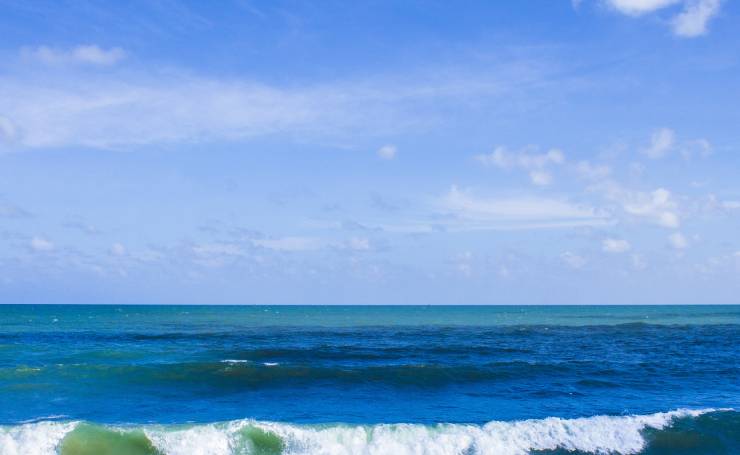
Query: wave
666,431
237,374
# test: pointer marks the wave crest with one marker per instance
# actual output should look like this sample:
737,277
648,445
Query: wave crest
598,435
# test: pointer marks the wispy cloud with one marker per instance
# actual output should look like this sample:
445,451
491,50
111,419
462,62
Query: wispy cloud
9,210
85,54
290,243
639,7
469,211
132,106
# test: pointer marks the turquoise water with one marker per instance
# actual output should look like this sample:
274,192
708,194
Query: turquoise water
81,380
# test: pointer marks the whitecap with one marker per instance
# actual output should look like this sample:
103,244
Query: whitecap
41,438
599,435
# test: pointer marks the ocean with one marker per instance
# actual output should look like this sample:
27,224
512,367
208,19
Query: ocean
226,380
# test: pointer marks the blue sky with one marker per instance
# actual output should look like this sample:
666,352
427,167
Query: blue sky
533,152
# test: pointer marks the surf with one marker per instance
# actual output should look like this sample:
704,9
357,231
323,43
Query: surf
663,432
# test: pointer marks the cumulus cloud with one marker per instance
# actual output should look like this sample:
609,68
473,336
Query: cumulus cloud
84,54
678,241
387,152
695,17
639,7
535,164
358,244
573,260
117,249
592,171
690,22
611,245
41,244
662,142
658,206
463,263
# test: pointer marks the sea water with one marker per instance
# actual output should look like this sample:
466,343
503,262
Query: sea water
166,380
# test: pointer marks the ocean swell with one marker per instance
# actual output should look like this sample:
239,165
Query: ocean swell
597,435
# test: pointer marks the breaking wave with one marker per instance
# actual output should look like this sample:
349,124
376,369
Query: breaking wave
718,431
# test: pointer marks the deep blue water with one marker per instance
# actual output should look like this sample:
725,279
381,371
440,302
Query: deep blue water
134,366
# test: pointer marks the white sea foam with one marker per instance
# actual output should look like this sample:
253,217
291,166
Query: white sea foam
234,361
599,435
197,440
40,438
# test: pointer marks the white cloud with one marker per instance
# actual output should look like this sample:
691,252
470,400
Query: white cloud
639,7
128,106
7,130
8,210
693,20
225,249
638,262
593,172
615,245
701,147
541,178
505,159
218,254
678,241
463,263
662,142
85,54
573,260
387,152
41,244
658,206
534,163
359,244
117,249
290,243
473,212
